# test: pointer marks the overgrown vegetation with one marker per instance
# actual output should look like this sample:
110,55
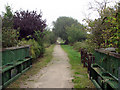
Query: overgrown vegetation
35,48
37,65
9,34
9,37
85,45
105,31
25,28
80,74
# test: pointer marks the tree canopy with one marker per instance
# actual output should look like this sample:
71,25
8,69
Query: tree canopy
62,25
76,33
28,22
7,19
105,31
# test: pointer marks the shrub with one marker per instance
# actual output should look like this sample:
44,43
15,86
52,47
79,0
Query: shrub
38,35
28,22
85,45
49,38
78,45
9,37
36,49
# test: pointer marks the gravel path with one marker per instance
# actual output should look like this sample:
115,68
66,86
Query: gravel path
56,74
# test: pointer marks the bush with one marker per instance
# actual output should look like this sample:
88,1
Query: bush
9,37
36,49
38,35
78,45
49,38
85,45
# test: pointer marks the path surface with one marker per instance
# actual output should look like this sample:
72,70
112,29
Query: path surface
57,74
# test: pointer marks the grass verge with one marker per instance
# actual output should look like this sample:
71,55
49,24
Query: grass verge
37,65
80,74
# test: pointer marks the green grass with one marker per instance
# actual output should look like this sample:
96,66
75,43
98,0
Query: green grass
80,74
37,65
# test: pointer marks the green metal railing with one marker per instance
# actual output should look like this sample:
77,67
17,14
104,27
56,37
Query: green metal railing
87,58
103,68
104,71
15,61
110,61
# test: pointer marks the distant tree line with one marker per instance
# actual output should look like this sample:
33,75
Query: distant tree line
69,29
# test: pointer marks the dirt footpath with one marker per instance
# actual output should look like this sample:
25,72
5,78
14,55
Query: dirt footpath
56,74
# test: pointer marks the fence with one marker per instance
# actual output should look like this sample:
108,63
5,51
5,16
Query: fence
15,61
103,68
87,59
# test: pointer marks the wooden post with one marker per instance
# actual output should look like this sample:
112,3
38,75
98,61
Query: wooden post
89,62
81,55
119,78
85,56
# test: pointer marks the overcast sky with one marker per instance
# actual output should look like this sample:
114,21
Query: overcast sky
52,9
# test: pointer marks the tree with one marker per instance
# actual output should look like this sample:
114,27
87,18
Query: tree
50,37
9,35
115,29
100,30
0,32
28,22
118,32
76,33
7,20
60,26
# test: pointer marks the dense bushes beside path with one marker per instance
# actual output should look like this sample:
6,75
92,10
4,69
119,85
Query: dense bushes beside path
25,28
85,45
